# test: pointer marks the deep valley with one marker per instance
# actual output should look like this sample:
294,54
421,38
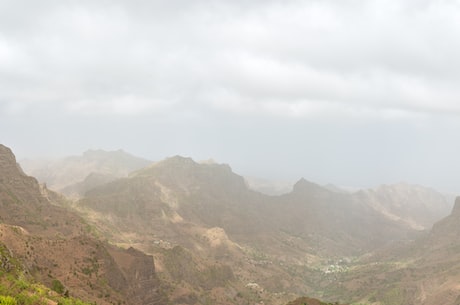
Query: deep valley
177,231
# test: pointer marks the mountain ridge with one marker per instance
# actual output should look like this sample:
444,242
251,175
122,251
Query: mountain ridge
67,175
215,239
34,224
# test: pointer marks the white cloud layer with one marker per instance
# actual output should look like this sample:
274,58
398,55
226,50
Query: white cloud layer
286,58
216,64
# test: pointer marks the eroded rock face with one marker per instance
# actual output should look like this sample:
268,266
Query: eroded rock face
12,176
139,278
23,202
7,161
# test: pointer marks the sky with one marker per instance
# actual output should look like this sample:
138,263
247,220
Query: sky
354,93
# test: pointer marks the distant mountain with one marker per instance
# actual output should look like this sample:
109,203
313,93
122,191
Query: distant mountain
335,188
425,271
268,187
211,195
75,175
217,241
335,222
417,206
265,243
56,247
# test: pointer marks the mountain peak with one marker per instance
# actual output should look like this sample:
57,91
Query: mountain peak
187,162
177,159
100,153
305,185
176,162
6,155
8,163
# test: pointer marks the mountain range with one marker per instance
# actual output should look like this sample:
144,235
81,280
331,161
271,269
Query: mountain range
216,240
73,175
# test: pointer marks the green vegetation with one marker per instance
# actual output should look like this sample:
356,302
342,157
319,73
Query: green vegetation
57,286
393,296
7,300
16,288
14,292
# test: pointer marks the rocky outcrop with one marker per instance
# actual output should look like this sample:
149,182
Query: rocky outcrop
139,278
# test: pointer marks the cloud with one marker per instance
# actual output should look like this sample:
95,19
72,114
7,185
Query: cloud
297,59
356,91
119,106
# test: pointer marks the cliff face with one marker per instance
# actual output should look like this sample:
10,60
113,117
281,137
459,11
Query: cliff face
54,244
25,203
456,208
446,231
139,280
15,185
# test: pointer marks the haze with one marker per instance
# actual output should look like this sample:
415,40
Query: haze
354,93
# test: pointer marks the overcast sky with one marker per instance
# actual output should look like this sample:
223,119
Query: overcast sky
351,92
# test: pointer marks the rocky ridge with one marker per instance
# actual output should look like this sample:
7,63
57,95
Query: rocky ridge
279,243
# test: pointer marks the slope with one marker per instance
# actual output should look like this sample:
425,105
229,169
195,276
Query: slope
55,245
425,271
417,206
272,244
74,175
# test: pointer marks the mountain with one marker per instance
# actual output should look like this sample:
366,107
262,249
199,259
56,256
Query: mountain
425,271
417,206
54,246
250,243
74,175
214,240
27,204
268,187
179,192
445,231
335,222
187,215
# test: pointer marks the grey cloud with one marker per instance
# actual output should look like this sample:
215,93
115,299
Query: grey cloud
375,54
286,80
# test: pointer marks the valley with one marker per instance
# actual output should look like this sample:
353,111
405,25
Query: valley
182,232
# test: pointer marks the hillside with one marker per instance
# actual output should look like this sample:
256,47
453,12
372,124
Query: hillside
309,301
75,175
334,222
268,187
417,206
54,245
214,240
179,191
17,288
425,271
280,244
